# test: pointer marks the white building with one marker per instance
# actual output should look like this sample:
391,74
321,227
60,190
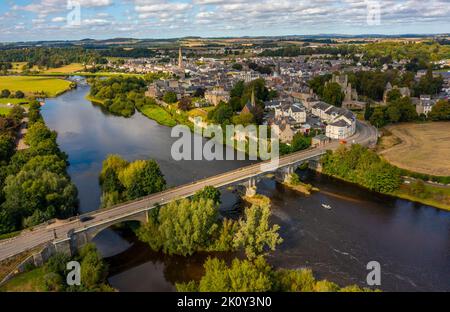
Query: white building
295,111
341,123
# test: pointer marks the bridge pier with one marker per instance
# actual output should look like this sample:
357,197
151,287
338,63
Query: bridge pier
250,187
65,246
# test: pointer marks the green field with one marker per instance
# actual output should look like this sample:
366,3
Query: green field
159,114
71,68
14,101
107,74
31,85
4,110
29,281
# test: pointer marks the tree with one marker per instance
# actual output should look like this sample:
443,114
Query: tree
393,113
209,192
38,132
6,147
5,93
185,104
17,113
93,269
294,280
255,234
221,114
199,92
50,163
181,227
332,94
141,178
378,118
241,276
237,66
244,119
394,95
19,95
121,180
300,142
170,97
440,111
36,196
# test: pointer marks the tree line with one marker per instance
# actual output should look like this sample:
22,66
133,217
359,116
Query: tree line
293,51
360,165
259,276
34,184
122,95
51,57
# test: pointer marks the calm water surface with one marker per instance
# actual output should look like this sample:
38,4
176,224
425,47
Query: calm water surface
411,241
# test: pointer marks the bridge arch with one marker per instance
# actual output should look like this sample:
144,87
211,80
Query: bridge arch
87,235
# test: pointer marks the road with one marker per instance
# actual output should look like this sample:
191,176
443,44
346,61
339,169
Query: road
42,234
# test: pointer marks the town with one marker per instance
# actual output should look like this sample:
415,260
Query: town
217,146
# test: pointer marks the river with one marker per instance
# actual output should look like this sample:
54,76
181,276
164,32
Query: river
410,241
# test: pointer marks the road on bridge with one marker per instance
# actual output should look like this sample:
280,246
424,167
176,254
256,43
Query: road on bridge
42,234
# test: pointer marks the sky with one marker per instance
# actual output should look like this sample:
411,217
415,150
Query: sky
33,20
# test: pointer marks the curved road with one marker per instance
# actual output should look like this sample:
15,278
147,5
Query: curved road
42,234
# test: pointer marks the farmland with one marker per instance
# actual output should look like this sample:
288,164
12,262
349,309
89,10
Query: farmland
423,148
31,85
68,69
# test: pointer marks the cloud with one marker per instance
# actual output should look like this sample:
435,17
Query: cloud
163,18
58,19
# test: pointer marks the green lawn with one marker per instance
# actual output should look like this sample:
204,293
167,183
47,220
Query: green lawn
14,101
67,69
108,74
31,281
32,84
159,114
4,110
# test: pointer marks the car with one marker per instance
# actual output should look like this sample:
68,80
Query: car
86,218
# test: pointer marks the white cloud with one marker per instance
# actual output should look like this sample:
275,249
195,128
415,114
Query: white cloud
58,19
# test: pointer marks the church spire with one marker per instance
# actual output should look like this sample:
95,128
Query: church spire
253,102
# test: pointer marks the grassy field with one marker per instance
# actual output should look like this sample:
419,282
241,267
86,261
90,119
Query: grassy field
4,110
31,281
423,148
14,101
17,67
31,85
159,114
108,74
201,112
436,196
71,68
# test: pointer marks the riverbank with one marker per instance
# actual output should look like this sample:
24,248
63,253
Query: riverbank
403,194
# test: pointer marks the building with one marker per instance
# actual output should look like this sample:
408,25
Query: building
296,111
250,107
425,105
320,140
341,123
283,129
217,95
404,91
346,87
340,129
